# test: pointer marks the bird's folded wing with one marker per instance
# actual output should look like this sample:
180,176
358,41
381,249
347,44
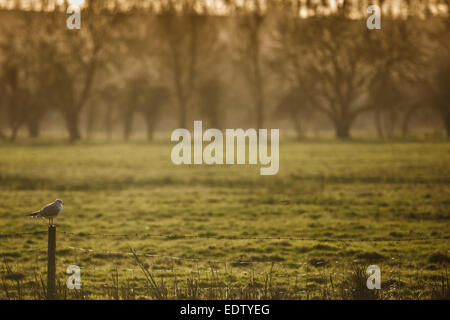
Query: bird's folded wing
49,210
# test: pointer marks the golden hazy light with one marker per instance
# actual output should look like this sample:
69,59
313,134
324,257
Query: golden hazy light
76,2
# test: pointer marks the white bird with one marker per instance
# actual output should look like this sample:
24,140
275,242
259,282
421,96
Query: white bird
50,211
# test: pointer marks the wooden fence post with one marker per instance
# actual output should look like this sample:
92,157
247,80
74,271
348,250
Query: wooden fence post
51,266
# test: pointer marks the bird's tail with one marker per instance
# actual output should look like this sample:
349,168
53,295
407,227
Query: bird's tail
34,215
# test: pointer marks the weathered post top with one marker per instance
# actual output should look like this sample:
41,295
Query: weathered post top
51,266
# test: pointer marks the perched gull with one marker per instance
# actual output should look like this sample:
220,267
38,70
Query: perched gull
50,211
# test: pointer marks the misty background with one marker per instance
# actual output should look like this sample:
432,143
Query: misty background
143,67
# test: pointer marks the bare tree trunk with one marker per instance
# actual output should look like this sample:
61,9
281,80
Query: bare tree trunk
150,127
128,124
14,132
74,131
90,121
342,129
33,127
72,123
183,113
391,123
406,120
447,124
259,90
259,87
108,121
298,127
378,123
260,111
149,133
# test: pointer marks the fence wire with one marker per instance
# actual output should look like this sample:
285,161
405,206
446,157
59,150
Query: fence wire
225,237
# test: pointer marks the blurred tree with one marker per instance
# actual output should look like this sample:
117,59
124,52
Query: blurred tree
439,93
337,66
27,69
153,100
15,99
147,100
437,71
385,97
397,54
189,43
39,70
294,106
92,115
139,62
210,95
249,42
80,56
328,57
110,95
342,72
133,93
2,101
12,80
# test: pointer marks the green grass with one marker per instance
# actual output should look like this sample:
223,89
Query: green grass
324,190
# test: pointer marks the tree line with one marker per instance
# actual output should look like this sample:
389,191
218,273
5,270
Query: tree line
274,59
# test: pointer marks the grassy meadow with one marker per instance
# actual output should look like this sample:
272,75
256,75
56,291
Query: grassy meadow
326,192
